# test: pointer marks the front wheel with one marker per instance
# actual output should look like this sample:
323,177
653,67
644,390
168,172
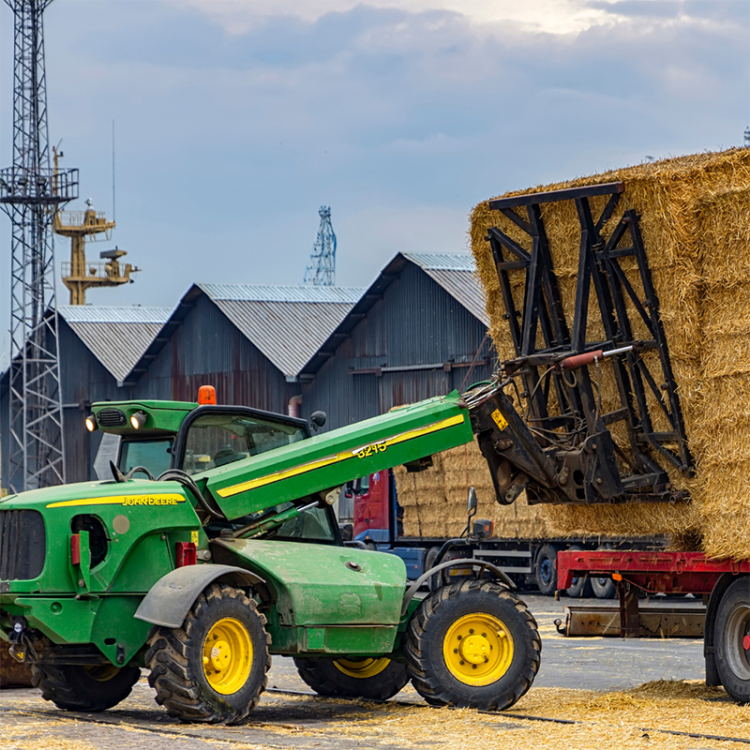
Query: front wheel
472,644
213,668
732,641
78,688
372,679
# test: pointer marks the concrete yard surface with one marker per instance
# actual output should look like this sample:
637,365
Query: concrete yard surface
590,691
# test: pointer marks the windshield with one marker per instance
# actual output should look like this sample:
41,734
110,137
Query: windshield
215,440
154,455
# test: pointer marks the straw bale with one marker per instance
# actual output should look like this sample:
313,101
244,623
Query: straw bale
434,500
695,222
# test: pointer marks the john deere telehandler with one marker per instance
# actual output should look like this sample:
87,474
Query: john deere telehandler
232,553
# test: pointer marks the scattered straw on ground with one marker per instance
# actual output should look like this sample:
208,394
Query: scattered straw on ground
637,718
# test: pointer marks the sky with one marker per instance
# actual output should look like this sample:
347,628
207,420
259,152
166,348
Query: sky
235,120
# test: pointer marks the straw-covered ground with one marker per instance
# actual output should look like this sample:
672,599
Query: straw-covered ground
695,222
643,717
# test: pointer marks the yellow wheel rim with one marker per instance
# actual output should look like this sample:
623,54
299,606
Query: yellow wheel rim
478,649
102,673
227,656
361,668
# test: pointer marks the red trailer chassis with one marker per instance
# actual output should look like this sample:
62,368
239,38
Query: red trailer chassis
677,573
654,572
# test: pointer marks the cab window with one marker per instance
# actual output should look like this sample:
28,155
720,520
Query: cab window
154,455
215,440
313,525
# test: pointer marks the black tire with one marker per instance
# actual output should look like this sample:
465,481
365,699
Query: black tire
732,626
581,586
545,569
437,624
77,688
603,588
339,678
175,657
429,562
430,557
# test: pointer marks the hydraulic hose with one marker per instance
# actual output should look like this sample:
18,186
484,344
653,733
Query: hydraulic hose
183,478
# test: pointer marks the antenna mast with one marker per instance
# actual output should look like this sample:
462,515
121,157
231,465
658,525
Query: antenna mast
30,193
321,270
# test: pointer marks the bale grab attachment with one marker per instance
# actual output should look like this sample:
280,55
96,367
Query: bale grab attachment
545,425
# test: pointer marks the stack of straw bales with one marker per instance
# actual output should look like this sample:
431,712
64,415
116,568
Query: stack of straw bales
695,222
434,500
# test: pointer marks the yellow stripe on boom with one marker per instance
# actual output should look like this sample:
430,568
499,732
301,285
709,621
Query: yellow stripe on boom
345,456
161,499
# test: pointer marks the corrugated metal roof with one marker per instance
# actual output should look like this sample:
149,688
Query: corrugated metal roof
455,272
116,336
308,294
442,261
96,314
288,333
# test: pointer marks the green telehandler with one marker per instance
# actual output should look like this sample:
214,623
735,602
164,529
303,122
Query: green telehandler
215,545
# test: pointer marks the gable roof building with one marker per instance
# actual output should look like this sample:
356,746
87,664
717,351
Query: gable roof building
98,347
116,336
419,330
250,342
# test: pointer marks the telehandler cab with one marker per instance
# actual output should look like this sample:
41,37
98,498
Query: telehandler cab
215,545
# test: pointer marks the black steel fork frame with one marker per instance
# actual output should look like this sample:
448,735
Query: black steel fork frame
543,319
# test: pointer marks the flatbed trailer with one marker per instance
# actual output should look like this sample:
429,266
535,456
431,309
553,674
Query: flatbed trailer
723,584
372,504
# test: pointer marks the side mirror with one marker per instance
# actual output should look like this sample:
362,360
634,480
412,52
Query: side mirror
318,419
472,503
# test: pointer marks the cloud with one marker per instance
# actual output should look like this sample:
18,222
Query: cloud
230,137
550,16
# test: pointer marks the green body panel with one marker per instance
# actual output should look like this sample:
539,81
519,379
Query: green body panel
161,416
329,460
326,598
139,555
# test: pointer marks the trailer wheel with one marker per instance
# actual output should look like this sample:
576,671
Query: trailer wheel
372,679
581,586
603,588
472,644
545,569
213,668
78,688
732,639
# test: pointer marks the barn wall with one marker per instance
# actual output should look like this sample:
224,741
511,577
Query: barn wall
415,323
207,349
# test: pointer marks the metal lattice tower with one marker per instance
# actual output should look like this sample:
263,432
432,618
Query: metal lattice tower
30,193
322,268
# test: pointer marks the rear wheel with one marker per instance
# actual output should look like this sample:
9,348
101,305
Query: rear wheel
77,688
545,569
581,586
603,588
213,668
472,644
732,641
373,679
